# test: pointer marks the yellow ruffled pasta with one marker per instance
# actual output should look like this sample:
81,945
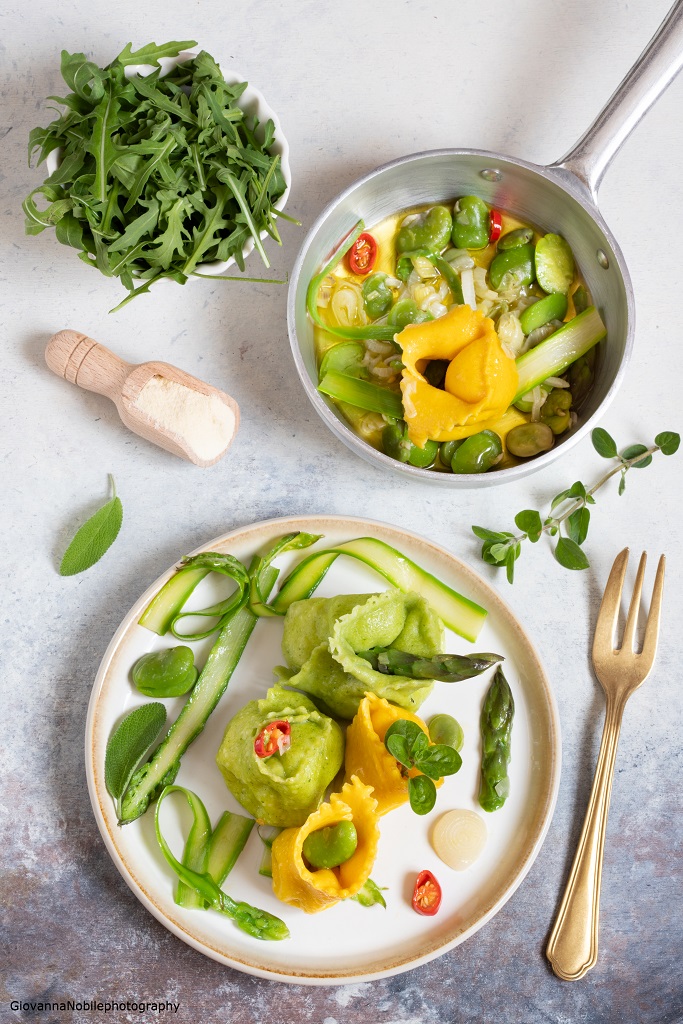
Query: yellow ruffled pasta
367,758
315,890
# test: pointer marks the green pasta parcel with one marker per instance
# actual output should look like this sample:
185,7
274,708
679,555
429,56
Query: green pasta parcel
322,638
283,786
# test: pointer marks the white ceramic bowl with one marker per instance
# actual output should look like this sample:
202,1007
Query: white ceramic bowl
253,103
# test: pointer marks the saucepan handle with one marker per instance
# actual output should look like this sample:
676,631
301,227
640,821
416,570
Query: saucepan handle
655,69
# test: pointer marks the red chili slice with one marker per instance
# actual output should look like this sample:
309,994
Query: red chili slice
363,254
274,738
427,894
495,225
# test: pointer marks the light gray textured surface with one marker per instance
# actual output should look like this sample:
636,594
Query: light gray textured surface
355,84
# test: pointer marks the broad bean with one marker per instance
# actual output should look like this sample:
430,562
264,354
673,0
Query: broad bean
555,410
407,311
470,223
529,439
377,297
517,265
331,846
428,230
167,673
478,453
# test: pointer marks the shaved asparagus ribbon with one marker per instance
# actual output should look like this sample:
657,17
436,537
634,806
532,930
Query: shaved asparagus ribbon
457,612
165,609
251,920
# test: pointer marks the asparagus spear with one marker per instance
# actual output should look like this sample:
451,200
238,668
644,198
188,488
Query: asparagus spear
448,668
496,728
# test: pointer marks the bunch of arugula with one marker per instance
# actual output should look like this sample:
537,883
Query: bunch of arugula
156,175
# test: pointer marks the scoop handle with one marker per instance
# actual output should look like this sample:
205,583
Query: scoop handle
655,69
83,361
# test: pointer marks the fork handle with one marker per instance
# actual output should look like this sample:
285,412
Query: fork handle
573,945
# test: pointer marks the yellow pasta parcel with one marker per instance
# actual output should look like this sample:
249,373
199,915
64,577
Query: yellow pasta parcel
317,889
367,758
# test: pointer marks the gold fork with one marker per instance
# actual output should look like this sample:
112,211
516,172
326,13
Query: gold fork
573,945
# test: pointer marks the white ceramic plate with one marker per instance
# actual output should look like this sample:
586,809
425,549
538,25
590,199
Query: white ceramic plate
347,943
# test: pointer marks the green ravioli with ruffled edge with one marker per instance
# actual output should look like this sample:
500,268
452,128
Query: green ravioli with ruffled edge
322,635
282,789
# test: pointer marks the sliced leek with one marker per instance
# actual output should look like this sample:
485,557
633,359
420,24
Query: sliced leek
362,393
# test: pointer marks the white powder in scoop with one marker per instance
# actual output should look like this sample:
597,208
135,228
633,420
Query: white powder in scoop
204,422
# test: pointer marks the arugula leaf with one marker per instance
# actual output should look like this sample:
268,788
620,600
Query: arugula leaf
94,537
151,53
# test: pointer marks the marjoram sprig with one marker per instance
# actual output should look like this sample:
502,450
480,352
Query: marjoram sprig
569,516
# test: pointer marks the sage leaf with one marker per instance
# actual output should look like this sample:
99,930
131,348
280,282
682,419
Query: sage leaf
668,442
128,744
632,452
94,537
604,443
569,554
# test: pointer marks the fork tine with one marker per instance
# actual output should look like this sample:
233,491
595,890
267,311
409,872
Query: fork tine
629,631
609,608
652,627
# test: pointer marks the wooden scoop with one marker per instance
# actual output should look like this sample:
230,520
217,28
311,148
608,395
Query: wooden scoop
88,364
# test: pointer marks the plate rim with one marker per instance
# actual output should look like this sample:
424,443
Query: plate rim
401,963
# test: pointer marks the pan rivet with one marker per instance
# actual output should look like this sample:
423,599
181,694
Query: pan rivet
491,174
602,259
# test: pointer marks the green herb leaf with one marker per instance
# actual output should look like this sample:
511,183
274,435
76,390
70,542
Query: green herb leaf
577,525
398,747
94,537
577,490
151,53
483,534
530,523
369,895
439,760
569,554
422,794
129,743
499,552
668,442
632,452
603,443
513,554
622,483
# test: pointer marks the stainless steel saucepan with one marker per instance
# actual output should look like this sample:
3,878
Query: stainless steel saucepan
561,197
